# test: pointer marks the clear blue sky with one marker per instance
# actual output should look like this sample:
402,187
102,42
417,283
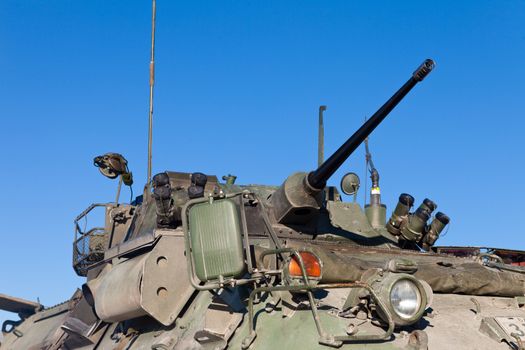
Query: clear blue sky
238,87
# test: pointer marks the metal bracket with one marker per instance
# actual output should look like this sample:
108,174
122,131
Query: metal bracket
10,323
324,338
221,282
308,287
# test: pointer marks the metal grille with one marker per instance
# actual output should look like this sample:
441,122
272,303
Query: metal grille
89,246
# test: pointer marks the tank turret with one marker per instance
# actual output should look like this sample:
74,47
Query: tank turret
196,263
298,199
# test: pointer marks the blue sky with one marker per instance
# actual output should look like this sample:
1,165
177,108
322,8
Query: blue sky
237,91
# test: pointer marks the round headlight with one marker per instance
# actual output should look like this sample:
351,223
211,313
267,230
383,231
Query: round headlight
405,299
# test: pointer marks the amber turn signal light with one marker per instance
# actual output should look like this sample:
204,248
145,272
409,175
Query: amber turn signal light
311,265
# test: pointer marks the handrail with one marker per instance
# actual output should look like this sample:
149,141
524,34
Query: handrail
90,208
324,338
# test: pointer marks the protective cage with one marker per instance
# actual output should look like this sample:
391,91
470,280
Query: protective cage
88,246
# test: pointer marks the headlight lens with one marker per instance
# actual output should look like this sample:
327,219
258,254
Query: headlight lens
405,298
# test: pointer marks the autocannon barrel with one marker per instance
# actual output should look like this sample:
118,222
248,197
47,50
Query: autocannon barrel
317,178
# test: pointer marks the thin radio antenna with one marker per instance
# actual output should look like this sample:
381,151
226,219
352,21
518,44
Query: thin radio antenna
151,84
366,168
320,140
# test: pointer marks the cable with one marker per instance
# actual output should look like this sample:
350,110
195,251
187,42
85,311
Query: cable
131,194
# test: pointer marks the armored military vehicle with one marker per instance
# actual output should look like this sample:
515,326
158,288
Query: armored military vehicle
199,263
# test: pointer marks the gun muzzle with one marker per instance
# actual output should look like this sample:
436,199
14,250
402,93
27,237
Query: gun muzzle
423,70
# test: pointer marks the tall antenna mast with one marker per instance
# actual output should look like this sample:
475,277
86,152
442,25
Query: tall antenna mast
151,84
320,139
